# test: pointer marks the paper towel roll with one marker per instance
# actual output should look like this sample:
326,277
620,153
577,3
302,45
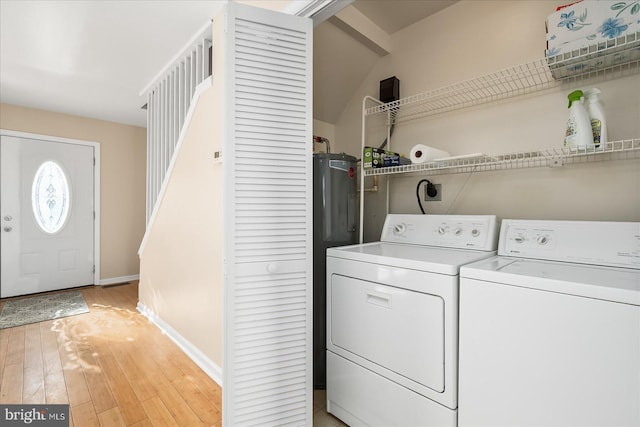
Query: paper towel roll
422,153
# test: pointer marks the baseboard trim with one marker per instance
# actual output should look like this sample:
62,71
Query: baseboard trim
206,364
116,280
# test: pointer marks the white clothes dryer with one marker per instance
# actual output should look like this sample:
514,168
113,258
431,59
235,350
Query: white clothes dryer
550,328
392,319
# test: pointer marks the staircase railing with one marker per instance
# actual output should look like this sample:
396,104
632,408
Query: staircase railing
169,96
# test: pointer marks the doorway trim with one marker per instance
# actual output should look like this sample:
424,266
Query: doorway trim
96,185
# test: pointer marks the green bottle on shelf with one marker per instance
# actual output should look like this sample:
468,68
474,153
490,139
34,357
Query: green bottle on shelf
579,133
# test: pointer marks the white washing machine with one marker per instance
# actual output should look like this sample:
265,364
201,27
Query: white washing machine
392,320
550,328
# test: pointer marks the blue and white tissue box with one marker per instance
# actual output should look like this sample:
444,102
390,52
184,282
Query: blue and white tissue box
593,43
590,22
580,59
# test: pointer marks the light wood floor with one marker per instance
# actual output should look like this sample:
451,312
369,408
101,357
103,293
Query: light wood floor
114,368
111,365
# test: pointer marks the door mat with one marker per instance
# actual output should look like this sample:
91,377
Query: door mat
40,308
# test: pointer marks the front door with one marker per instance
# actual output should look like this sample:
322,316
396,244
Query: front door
47,215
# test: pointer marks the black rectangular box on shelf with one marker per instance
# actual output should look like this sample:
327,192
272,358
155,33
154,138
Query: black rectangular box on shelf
389,89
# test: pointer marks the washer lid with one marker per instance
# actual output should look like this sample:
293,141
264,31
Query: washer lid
416,257
605,283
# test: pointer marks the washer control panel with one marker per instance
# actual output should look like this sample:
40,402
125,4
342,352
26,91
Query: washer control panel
537,239
588,242
452,231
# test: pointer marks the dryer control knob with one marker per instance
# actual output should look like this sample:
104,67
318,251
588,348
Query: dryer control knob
542,240
442,229
519,238
399,228
475,232
458,231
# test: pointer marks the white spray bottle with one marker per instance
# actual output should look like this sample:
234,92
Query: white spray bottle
579,133
598,120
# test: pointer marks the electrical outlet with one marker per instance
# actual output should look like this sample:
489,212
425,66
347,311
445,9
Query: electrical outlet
438,196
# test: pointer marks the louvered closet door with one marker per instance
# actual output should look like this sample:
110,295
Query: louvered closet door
267,156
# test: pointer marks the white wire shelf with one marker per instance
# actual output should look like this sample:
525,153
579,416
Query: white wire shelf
615,58
547,157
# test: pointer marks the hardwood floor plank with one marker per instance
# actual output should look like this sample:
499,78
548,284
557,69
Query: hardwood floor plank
15,353
33,386
55,388
49,344
181,411
157,413
33,347
139,382
111,418
4,348
179,408
101,395
33,370
203,407
159,354
77,388
11,387
124,395
89,295
143,423
209,388
85,415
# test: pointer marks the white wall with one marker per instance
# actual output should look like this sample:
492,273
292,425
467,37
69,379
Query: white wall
122,179
471,39
325,130
181,262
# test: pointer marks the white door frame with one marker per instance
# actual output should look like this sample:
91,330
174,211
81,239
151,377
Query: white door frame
96,185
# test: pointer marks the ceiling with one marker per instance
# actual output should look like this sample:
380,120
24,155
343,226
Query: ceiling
93,58
338,73
394,15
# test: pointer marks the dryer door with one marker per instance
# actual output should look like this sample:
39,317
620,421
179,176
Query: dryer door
397,329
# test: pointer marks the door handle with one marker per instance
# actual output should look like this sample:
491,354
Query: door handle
8,229
381,299
272,268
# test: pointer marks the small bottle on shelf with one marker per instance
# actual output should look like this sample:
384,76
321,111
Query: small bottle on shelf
598,120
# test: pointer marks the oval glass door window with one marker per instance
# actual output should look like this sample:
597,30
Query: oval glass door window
50,197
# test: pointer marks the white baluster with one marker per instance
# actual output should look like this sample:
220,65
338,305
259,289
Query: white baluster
187,83
181,96
149,205
194,71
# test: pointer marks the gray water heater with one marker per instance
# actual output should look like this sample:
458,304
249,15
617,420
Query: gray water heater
334,224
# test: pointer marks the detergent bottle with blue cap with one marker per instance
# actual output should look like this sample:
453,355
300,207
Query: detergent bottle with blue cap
579,133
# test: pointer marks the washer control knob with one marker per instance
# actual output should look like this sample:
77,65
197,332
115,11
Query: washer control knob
399,228
519,238
475,232
542,240
457,231
442,229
